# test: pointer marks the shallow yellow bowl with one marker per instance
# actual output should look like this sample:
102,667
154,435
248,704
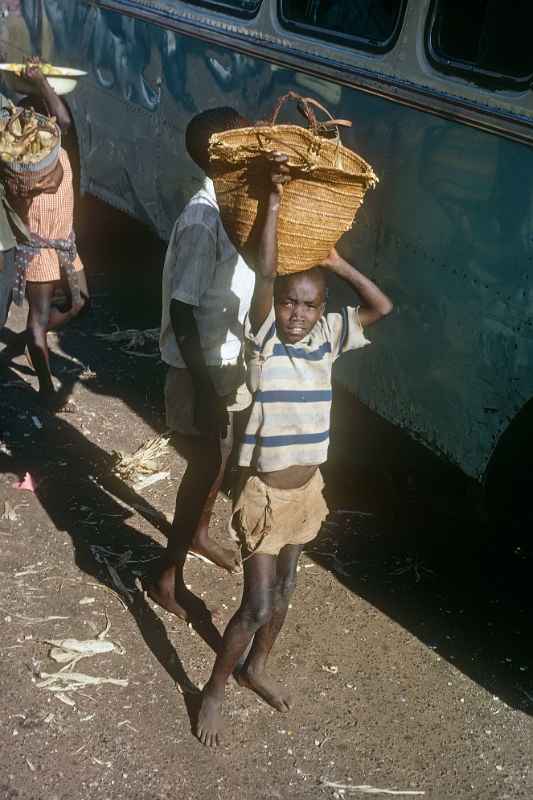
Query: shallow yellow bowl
62,79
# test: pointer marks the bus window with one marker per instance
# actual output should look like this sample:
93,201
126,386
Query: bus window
487,41
366,24
244,8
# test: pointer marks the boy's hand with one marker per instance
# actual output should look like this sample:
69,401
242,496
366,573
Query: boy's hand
210,413
279,172
332,260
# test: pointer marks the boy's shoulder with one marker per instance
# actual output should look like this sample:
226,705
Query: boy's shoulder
200,212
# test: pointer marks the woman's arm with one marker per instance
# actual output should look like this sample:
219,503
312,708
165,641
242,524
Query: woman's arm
266,261
374,303
55,106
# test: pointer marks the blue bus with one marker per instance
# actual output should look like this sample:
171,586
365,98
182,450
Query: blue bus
440,97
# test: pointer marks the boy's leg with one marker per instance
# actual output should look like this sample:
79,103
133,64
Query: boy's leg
253,674
206,464
201,543
254,612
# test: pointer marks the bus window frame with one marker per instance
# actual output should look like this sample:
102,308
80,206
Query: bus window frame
487,79
226,8
346,40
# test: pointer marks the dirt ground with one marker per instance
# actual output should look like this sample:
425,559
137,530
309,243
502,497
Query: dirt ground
407,650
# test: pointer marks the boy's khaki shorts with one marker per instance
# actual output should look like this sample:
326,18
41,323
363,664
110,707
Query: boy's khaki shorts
265,520
179,398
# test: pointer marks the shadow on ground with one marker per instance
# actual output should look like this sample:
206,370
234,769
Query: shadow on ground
408,535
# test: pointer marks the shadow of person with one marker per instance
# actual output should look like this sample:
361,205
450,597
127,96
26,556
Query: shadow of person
58,455
409,539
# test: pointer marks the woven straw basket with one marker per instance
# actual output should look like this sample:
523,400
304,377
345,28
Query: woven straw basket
327,187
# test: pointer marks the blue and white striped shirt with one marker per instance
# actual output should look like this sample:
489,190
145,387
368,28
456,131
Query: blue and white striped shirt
290,413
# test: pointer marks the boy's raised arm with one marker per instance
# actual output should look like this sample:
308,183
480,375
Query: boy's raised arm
266,261
374,303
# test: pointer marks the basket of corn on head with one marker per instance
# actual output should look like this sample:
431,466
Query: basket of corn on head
29,146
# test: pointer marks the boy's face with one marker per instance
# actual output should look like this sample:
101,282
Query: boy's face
299,303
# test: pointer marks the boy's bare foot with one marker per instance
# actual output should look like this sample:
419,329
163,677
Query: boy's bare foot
209,722
183,603
266,688
221,556
163,593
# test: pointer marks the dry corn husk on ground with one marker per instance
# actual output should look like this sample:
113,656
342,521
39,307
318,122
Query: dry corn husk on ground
144,461
319,204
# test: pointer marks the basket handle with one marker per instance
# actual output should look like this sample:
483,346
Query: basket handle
304,107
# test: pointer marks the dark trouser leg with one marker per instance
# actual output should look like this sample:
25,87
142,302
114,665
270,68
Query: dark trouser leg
7,279
254,612
253,674
17,342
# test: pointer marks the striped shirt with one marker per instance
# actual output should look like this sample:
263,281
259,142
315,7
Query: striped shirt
290,415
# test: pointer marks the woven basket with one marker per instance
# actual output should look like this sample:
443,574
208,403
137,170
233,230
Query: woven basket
327,187
26,176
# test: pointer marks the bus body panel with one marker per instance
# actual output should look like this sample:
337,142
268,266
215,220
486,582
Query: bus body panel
448,231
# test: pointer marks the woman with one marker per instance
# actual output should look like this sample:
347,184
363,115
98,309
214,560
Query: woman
50,259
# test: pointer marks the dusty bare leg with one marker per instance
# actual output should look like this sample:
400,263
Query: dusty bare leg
253,674
40,298
206,462
254,612
201,542
56,319
42,318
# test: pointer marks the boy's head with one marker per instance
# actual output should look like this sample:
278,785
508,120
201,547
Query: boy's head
204,125
299,302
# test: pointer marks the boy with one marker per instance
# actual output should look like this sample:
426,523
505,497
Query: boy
207,289
50,257
280,506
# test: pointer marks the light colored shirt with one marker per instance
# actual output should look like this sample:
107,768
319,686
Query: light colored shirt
290,417
204,270
8,217
7,240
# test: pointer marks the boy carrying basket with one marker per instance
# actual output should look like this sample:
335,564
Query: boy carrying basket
280,506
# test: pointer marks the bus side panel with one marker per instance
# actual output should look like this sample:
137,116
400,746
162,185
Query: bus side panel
447,232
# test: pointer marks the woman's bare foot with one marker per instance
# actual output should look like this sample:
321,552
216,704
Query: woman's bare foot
221,556
57,401
266,688
209,722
